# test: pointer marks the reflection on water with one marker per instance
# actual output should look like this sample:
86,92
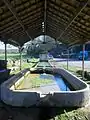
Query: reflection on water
58,79
46,76
61,83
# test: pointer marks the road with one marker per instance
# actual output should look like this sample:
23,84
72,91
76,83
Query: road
72,63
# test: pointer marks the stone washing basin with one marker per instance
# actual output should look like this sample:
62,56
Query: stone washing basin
26,98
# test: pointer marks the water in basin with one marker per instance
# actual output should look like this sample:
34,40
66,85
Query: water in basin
43,64
44,83
61,83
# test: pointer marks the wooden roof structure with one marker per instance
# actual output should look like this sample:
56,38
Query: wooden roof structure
65,20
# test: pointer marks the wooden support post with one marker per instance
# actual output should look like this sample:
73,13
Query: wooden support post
6,53
83,62
67,58
20,58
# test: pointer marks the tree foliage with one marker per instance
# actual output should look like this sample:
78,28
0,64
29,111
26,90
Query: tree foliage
40,44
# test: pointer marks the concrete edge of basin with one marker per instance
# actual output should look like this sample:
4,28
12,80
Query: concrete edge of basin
76,98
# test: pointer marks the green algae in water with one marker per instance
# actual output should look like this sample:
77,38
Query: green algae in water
35,81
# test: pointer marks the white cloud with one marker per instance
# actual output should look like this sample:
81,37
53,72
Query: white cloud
2,46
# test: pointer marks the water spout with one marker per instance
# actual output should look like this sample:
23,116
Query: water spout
44,69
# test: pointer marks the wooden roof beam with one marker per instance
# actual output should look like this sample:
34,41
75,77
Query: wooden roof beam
72,20
74,43
18,29
7,26
28,23
80,29
29,6
8,4
73,37
16,34
70,36
57,29
53,31
15,23
59,11
82,24
31,12
57,20
55,4
54,21
25,16
61,21
65,18
38,16
11,28
5,38
74,33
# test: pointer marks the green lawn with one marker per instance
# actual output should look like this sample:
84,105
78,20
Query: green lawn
73,114
16,58
24,65
10,56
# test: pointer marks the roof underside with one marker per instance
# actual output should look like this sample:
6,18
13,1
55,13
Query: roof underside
65,20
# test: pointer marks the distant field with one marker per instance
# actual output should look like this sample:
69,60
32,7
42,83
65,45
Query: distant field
16,57
11,56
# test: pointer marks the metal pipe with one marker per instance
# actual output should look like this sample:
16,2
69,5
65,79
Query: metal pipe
83,62
6,53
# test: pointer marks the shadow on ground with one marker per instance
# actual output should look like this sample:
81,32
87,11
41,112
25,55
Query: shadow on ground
32,113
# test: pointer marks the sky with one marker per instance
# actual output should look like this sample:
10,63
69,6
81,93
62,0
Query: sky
2,46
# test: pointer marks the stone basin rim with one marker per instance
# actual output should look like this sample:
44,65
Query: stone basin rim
65,96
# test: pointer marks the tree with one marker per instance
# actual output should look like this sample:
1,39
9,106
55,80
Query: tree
40,44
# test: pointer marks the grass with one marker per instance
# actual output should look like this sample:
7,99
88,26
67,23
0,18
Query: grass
75,70
24,65
10,56
16,68
69,114
72,69
16,58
